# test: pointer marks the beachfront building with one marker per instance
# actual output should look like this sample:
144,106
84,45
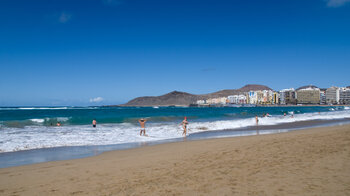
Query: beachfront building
344,95
200,102
217,101
237,99
323,96
332,95
260,97
223,100
212,101
287,96
308,95
252,97
268,96
275,98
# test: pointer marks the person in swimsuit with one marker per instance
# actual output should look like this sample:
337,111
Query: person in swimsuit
94,123
142,123
256,120
58,124
184,126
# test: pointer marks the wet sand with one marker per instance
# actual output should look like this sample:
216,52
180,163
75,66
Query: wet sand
307,162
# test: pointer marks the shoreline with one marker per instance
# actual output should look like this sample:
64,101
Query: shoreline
34,156
256,105
312,161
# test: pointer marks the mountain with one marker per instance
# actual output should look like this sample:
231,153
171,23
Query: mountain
172,98
183,98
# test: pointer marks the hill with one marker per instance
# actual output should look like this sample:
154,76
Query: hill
183,98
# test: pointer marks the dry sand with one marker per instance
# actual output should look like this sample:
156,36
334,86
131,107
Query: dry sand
308,162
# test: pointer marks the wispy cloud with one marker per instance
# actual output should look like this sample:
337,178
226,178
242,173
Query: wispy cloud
208,69
96,100
112,2
336,3
64,17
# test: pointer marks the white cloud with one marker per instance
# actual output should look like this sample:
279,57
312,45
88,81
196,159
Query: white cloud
64,17
112,2
336,3
96,100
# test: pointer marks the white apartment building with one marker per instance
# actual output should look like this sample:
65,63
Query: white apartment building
237,99
332,95
200,102
253,97
322,97
344,95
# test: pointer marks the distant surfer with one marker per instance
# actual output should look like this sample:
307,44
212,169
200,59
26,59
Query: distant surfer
142,123
58,124
184,126
94,123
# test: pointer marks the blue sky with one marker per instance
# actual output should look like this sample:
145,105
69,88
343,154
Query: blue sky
93,52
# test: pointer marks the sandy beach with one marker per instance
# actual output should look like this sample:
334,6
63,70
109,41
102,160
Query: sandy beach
306,162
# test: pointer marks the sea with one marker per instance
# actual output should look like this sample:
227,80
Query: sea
32,130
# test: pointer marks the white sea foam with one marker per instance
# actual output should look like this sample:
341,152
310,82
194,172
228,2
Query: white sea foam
38,120
62,119
43,108
32,137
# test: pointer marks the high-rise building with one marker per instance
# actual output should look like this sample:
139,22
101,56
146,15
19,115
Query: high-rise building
344,95
275,98
308,95
287,96
332,95
323,96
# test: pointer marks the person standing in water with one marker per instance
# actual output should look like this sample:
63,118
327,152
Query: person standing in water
257,123
143,129
94,123
184,126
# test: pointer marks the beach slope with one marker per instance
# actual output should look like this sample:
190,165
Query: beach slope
307,162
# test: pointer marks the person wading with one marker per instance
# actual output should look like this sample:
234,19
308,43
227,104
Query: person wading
142,123
184,126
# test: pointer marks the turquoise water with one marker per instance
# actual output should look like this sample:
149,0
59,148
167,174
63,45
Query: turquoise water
34,128
20,117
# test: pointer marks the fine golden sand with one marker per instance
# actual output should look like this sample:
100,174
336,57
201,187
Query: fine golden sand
308,162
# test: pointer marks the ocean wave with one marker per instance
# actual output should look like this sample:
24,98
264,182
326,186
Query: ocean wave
49,108
38,120
35,136
43,108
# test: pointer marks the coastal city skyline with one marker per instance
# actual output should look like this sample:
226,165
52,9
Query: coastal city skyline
101,52
250,95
